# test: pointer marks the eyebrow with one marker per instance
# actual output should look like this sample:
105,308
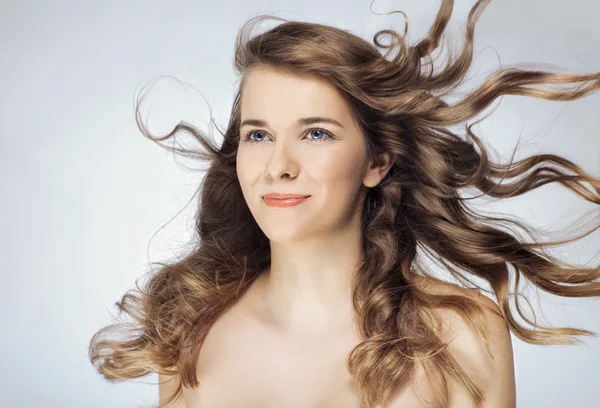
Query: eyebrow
301,121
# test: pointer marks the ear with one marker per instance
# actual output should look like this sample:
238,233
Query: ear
377,168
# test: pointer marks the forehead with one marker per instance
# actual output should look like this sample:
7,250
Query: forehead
277,94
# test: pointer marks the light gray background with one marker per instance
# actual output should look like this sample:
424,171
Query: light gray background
83,191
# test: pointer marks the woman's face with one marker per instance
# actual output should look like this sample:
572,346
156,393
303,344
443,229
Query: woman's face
285,156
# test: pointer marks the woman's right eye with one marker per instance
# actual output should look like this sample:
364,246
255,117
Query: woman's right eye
248,135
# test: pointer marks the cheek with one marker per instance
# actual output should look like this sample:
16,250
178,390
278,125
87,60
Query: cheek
341,171
340,181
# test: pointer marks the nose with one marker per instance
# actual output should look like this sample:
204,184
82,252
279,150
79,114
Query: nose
281,162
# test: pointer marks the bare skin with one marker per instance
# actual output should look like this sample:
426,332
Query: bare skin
247,362
268,367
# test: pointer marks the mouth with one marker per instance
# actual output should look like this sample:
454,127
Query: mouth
282,196
284,202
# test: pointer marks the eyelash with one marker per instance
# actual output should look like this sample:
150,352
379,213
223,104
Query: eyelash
329,135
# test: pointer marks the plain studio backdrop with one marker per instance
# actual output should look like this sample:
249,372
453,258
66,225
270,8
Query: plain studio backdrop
83,191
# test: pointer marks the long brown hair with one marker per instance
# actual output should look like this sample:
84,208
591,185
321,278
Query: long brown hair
399,102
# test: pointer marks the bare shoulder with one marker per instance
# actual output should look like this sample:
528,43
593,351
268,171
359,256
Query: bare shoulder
440,287
494,375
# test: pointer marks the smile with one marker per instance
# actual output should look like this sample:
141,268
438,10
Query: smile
284,202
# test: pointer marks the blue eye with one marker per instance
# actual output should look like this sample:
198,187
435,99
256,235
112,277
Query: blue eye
328,135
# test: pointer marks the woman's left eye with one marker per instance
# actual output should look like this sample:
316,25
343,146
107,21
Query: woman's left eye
248,136
326,133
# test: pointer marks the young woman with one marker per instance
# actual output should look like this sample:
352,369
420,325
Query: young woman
304,287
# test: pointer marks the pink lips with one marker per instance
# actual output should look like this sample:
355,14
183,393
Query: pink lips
284,200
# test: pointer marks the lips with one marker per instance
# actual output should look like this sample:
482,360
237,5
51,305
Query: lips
284,196
284,200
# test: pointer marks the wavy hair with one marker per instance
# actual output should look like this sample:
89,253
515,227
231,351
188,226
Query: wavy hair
398,99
